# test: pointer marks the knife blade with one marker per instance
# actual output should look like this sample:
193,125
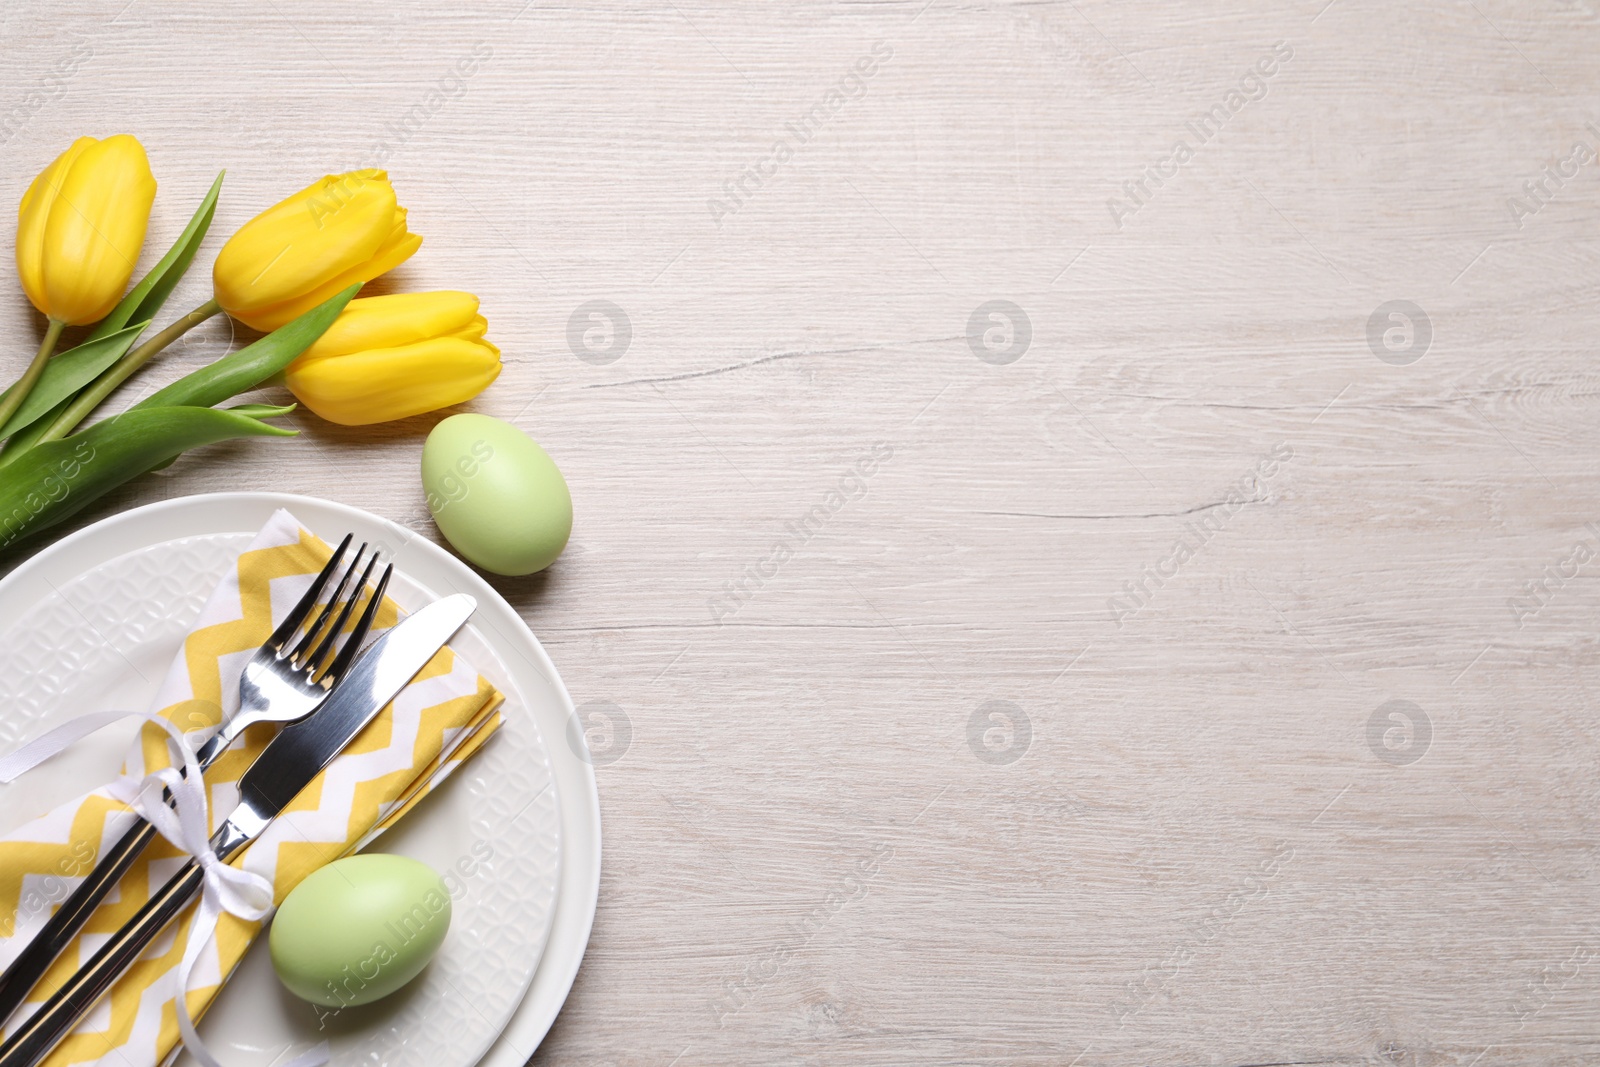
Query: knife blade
287,765
302,749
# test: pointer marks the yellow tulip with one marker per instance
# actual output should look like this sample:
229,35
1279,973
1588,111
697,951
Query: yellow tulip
389,357
337,231
81,227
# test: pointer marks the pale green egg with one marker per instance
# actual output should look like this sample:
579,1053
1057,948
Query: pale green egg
497,497
359,929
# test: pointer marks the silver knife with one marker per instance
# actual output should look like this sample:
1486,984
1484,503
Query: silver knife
285,767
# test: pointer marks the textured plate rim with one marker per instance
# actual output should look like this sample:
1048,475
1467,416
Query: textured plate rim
578,894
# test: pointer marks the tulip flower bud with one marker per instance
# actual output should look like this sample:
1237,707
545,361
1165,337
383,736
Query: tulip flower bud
338,231
389,357
81,227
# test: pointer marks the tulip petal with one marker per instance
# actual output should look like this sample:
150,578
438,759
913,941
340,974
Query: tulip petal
298,253
271,318
396,320
32,216
474,330
394,383
96,229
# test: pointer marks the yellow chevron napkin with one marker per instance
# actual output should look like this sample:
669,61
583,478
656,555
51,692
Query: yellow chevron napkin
444,716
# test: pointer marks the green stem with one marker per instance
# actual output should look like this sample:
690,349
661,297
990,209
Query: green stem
120,371
30,378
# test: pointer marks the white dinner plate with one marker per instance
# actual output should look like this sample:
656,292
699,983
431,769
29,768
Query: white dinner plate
466,1006
493,830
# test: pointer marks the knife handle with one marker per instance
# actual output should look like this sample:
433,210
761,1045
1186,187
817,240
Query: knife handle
31,1041
37,956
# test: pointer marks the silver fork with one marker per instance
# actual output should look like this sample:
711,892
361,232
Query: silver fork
287,679
282,684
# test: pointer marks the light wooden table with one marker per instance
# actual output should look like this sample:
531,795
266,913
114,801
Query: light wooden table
976,766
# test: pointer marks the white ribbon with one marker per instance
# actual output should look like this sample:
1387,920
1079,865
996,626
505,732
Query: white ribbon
238,892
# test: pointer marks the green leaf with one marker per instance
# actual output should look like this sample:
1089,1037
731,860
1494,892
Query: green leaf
253,364
145,299
68,372
263,411
54,480
25,439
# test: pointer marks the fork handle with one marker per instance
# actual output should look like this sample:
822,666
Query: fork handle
61,928
33,1039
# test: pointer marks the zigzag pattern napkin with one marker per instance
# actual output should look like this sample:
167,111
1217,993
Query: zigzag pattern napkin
445,715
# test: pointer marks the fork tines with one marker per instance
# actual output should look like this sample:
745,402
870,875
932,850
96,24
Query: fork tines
321,638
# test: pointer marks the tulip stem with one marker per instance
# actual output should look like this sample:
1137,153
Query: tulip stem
19,392
120,371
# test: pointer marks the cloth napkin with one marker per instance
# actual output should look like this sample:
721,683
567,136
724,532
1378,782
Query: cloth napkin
444,716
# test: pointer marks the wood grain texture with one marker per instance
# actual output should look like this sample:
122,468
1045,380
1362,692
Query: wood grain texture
1198,855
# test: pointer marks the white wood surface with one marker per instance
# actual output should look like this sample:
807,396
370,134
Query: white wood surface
1198,858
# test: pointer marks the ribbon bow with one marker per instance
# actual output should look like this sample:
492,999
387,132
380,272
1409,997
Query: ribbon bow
185,823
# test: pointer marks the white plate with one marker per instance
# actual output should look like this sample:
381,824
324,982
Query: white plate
439,1039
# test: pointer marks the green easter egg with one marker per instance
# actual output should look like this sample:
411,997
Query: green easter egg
495,494
358,929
